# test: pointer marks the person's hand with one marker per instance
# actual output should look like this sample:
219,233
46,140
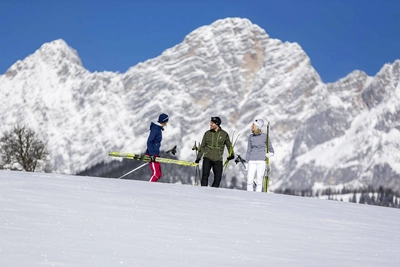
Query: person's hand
269,155
172,150
197,161
231,157
153,158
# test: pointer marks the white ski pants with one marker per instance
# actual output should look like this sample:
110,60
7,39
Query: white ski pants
255,174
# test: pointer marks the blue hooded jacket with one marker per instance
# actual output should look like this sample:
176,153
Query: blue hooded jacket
154,140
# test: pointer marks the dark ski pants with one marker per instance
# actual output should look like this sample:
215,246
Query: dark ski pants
217,170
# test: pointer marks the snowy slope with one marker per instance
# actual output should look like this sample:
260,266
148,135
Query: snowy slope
64,220
342,134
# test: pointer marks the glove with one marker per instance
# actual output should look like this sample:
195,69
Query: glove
197,161
239,159
231,157
269,155
172,150
153,158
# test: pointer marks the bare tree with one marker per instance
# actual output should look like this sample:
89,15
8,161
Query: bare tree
21,146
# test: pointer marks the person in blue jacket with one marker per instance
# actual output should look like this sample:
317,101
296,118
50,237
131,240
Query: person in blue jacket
154,144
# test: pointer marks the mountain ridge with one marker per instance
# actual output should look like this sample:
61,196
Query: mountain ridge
232,69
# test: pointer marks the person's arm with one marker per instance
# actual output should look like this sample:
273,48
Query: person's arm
202,147
150,143
270,147
229,146
248,149
271,151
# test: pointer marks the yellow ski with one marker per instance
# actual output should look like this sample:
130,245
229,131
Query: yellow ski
147,158
267,169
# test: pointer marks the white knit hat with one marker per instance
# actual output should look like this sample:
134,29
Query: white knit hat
259,123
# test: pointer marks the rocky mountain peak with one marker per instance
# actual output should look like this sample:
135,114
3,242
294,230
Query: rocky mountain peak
325,134
57,51
54,55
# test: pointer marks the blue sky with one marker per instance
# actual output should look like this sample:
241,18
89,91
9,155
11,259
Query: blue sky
338,35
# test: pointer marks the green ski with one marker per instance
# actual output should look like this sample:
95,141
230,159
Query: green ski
230,150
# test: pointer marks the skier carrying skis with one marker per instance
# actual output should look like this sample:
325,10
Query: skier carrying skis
212,147
255,155
154,144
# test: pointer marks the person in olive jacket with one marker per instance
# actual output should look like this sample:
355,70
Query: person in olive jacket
212,147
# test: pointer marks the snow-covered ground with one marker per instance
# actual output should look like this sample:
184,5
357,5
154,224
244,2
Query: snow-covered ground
62,220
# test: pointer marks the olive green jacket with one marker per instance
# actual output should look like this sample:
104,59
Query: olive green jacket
212,145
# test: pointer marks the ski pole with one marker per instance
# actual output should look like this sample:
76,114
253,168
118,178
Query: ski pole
197,170
133,170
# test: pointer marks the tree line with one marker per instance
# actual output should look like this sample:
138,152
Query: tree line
385,197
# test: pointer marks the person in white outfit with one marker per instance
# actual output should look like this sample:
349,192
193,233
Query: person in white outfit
255,156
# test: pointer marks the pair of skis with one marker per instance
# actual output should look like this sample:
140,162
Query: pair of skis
147,158
123,155
233,143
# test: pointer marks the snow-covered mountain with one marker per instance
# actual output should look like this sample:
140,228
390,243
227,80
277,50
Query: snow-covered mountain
342,133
